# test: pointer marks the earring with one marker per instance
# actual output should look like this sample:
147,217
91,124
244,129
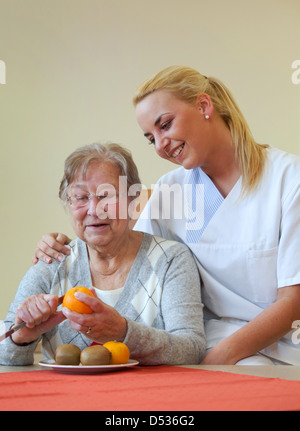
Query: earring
206,117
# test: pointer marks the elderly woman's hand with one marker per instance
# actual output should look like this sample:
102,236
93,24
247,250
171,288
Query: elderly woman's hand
39,313
104,324
52,245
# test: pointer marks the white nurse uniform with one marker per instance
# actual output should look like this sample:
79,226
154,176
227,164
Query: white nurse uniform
245,247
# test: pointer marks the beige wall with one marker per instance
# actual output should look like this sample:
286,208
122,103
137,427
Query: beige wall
71,68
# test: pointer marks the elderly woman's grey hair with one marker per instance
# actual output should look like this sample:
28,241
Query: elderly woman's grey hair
79,161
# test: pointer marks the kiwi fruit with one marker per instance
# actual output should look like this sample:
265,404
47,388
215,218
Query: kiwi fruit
95,355
67,354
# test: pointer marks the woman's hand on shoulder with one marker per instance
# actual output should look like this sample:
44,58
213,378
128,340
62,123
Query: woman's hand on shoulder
52,245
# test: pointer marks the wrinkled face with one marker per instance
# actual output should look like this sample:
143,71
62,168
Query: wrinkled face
98,204
177,129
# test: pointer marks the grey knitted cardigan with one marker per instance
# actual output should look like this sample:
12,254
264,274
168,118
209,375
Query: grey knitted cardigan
161,302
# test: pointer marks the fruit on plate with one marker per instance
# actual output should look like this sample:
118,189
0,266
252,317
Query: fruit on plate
95,355
119,352
67,354
73,304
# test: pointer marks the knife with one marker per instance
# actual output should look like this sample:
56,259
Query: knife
20,325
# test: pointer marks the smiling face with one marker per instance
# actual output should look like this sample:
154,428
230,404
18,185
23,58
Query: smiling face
179,130
98,223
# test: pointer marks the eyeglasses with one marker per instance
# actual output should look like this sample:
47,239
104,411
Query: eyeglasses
83,199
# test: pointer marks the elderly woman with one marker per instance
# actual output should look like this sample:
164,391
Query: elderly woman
146,289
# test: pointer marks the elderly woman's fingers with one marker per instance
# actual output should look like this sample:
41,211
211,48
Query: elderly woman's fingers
79,322
92,301
39,313
104,324
36,309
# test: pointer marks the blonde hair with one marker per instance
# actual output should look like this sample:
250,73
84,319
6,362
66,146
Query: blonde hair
187,83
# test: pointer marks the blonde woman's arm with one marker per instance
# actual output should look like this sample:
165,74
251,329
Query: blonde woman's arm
51,246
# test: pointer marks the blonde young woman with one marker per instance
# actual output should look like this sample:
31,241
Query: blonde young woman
243,217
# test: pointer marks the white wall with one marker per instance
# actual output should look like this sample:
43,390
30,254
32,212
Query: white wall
71,68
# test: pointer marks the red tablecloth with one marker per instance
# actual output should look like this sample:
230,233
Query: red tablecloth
161,388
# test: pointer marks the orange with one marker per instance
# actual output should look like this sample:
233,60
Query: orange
119,352
74,304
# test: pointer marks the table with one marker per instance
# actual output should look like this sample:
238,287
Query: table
278,371
152,389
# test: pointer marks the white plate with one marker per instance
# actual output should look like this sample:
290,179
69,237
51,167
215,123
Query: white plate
86,369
